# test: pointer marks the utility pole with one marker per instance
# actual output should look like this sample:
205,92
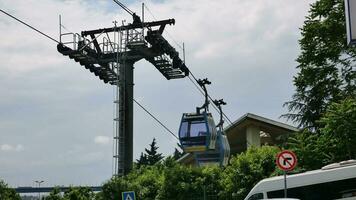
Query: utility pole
39,185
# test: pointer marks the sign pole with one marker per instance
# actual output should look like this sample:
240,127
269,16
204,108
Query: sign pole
286,161
285,184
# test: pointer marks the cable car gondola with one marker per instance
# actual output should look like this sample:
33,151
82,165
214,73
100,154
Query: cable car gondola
216,157
198,134
219,156
197,131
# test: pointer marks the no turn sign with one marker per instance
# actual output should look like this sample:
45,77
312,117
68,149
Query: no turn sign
286,160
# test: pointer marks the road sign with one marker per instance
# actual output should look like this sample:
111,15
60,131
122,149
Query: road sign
286,160
130,195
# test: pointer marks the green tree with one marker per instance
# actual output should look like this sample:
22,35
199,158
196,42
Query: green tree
339,123
113,188
311,150
146,181
78,193
336,141
151,156
326,65
55,194
180,182
7,193
142,161
246,169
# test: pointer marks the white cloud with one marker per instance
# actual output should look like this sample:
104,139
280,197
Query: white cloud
101,140
9,147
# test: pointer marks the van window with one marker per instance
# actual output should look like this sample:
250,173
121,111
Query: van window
325,191
256,196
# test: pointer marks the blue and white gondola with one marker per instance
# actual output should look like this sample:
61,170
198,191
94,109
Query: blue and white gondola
215,157
197,132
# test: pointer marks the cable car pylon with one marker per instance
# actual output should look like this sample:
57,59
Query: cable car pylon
110,54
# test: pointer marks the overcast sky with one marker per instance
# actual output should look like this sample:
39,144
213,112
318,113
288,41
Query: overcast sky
56,117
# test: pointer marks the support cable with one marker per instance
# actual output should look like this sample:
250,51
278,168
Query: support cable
157,120
124,7
33,28
196,80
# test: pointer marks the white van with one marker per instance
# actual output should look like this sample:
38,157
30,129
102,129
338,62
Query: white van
334,181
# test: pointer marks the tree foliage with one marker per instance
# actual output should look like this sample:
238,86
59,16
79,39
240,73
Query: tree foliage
73,193
55,194
311,149
171,180
334,143
326,64
246,169
7,193
78,193
323,104
339,126
151,155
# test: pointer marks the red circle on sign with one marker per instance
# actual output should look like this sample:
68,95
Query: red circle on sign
286,160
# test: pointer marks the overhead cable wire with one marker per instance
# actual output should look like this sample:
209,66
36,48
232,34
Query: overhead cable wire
198,87
202,92
225,116
33,28
155,118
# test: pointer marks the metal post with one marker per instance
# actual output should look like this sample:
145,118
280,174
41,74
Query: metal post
39,185
125,154
60,29
143,13
285,184
143,21
183,53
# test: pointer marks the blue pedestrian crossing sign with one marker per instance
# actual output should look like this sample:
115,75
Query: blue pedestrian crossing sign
130,195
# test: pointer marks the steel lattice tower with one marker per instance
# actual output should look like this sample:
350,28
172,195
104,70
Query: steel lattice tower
110,54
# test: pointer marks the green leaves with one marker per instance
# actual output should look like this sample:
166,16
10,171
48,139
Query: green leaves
7,193
340,124
170,180
247,169
151,156
335,140
326,65
73,193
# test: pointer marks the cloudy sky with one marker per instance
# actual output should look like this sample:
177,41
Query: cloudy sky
56,117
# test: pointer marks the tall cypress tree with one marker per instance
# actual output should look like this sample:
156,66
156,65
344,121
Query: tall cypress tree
142,160
152,155
326,65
